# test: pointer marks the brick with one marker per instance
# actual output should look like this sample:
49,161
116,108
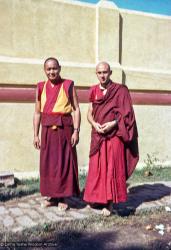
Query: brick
77,215
33,214
2,210
24,205
25,221
8,221
7,178
16,211
17,229
52,217
32,202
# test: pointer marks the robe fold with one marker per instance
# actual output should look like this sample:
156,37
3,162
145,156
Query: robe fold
58,159
113,155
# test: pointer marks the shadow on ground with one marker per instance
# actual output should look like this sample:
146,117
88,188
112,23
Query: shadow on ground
137,195
140,194
72,240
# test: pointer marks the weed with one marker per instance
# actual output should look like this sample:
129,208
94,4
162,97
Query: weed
151,161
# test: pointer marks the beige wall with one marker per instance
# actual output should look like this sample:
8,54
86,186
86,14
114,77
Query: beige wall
146,41
39,28
137,45
154,128
16,144
17,152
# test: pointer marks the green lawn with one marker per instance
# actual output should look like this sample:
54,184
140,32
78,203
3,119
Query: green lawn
158,174
31,186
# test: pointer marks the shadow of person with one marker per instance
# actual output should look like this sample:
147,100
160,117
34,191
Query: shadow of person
139,194
74,240
76,202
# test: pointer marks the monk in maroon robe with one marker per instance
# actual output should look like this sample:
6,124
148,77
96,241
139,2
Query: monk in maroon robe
114,145
55,100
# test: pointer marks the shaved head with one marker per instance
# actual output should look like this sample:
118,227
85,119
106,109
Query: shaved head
103,73
51,59
107,66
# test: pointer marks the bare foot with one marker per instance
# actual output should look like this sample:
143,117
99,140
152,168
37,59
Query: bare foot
88,206
48,202
62,206
106,212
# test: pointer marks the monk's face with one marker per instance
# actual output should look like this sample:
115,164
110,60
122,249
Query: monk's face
52,70
103,73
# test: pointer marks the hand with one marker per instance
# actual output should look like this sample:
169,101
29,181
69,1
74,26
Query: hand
108,126
98,127
36,142
75,138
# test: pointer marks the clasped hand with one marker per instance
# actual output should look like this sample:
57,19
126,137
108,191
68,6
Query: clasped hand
104,128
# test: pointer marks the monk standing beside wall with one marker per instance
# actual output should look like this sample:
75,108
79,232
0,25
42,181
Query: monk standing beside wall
55,100
114,146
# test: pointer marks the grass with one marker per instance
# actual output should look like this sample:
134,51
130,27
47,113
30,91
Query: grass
31,186
158,174
66,232
21,188
62,230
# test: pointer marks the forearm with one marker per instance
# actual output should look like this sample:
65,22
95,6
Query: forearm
36,123
90,118
77,118
76,123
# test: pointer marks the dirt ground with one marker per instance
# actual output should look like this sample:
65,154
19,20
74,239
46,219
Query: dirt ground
135,233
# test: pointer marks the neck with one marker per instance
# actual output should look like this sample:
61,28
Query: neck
56,81
104,85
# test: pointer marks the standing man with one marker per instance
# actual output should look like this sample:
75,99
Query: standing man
114,145
55,100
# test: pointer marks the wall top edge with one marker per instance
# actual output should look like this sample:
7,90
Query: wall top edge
107,4
102,3
111,5
141,13
76,2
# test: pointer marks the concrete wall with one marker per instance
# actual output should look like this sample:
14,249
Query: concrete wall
137,45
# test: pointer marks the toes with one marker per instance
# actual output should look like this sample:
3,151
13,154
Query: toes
105,212
63,206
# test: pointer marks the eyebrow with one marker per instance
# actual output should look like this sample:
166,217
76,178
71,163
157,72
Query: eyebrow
100,71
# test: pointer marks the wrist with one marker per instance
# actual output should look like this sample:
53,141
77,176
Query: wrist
93,123
76,130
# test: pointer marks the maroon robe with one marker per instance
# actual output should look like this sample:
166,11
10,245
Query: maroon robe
58,159
114,155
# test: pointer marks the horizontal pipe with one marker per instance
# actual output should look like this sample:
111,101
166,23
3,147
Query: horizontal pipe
26,94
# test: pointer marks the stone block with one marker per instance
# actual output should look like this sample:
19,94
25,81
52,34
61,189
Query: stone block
6,179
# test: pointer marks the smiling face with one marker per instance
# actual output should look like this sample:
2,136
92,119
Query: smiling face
103,73
52,70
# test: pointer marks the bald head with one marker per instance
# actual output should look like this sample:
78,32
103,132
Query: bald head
103,64
103,73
